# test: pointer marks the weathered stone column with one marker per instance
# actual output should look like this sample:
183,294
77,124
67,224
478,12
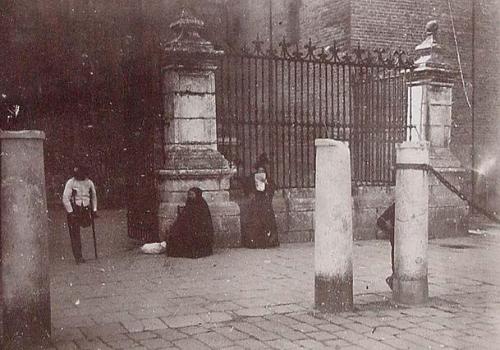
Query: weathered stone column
24,229
431,89
333,227
411,223
191,152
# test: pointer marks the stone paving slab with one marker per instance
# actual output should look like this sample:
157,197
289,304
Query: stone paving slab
263,299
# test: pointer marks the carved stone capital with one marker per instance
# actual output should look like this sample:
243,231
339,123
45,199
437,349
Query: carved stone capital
431,64
189,50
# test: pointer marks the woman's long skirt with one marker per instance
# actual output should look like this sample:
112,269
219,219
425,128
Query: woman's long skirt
261,230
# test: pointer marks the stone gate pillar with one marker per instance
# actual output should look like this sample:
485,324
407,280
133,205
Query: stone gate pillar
431,110
25,297
188,73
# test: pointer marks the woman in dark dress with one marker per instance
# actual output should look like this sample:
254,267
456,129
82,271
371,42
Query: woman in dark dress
261,230
192,233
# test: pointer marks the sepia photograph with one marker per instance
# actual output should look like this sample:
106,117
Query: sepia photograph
249,174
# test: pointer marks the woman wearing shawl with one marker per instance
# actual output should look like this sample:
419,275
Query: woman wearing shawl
192,233
261,230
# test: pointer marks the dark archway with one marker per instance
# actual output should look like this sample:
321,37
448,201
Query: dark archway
87,73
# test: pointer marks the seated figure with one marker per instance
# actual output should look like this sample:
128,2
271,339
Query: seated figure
192,233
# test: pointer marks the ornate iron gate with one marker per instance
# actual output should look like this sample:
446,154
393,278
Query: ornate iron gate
280,102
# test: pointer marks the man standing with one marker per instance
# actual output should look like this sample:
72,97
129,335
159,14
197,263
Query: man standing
80,202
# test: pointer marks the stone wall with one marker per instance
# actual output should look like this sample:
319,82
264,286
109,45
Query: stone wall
294,211
448,214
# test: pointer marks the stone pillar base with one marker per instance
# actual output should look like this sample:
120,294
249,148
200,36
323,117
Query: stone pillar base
333,294
411,292
208,170
225,217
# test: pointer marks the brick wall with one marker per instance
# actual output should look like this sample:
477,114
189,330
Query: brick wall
400,24
294,210
487,104
325,21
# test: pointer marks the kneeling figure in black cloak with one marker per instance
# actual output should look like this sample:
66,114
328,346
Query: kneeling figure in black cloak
192,233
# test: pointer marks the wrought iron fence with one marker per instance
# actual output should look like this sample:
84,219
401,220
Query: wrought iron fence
279,102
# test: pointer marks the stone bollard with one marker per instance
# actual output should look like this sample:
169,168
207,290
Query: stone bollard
24,229
411,223
333,227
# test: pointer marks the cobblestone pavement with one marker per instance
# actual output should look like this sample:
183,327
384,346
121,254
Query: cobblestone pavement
262,299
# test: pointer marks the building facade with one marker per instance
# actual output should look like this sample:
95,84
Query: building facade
88,74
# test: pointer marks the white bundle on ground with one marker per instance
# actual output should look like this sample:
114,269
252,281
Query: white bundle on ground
154,248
